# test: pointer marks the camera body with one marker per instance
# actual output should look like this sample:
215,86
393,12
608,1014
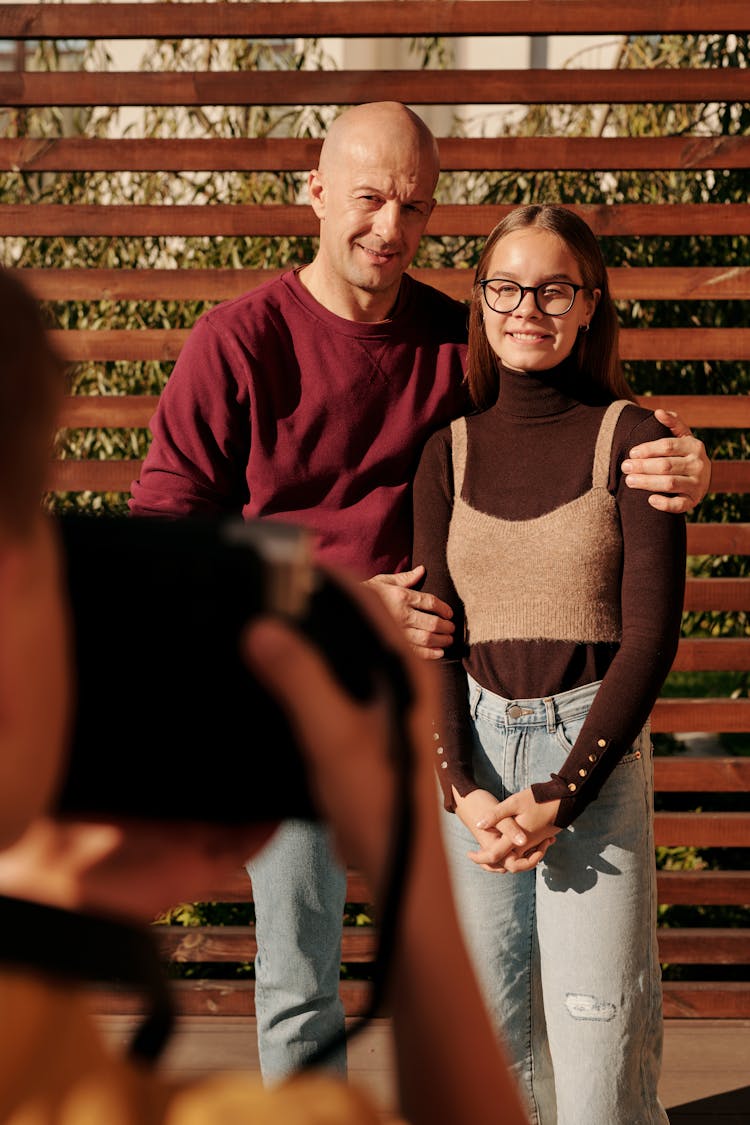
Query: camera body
169,722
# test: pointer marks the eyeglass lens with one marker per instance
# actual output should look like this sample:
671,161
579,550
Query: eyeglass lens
554,297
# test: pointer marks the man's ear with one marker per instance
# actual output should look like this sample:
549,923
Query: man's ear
316,192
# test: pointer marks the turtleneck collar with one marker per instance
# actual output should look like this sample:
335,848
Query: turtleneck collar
538,394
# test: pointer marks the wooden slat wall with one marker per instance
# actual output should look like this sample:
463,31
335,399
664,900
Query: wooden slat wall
710,946
705,410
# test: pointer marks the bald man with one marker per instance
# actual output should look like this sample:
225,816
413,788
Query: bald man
309,399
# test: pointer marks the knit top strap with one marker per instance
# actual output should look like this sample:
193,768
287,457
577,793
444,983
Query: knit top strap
603,450
458,440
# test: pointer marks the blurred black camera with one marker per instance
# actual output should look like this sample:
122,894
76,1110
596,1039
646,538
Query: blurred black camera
169,723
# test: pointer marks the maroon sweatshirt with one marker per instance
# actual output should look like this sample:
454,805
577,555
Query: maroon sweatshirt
278,408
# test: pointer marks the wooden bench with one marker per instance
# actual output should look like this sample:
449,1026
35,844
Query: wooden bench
105,475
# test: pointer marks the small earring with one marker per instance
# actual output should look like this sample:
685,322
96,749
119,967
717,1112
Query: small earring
584,328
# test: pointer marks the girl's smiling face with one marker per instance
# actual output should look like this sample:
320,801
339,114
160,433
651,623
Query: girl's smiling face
527,339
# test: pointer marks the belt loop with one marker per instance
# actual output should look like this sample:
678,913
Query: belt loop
549,707
474,696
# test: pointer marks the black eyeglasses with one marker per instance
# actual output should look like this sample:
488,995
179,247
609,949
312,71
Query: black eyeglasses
553,298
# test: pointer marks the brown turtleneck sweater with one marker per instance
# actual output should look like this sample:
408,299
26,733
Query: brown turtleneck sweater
529,455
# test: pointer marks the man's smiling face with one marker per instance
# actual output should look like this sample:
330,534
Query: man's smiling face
373,196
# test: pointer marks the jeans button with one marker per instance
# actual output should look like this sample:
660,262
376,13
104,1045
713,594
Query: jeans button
514,711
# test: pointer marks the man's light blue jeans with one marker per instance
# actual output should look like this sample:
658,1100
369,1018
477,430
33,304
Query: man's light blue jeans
567,953
299,890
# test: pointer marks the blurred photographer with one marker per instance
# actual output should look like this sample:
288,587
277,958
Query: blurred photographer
74,897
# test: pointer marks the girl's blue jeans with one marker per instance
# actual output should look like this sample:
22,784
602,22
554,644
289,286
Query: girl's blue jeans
567,952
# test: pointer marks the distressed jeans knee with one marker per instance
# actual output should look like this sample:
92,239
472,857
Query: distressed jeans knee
583,1007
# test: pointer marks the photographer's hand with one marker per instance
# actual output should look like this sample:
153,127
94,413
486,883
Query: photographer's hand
450,1064
133,869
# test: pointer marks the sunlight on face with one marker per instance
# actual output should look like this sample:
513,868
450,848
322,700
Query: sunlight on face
373,196
528,339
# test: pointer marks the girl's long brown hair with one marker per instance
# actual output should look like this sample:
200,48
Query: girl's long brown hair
596,351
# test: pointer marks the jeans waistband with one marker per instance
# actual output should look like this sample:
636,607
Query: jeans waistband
546,711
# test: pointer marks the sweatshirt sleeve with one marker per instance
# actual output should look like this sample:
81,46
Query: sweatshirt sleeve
200,432
652,592
432,509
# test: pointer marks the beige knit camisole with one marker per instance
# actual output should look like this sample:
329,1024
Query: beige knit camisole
555,577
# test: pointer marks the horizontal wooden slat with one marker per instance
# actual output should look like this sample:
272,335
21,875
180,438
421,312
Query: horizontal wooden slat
702,830
616,154
158,284
685,343
293,220
720,715
108,410
237,943
151,154
717,411
709,946
679,283
92,476
343,87
703,283
635,344
706,1000
730,476
713,654
718,538
717,594
675,773
116,343
271,154
384,19
703,888
682,999
216,944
